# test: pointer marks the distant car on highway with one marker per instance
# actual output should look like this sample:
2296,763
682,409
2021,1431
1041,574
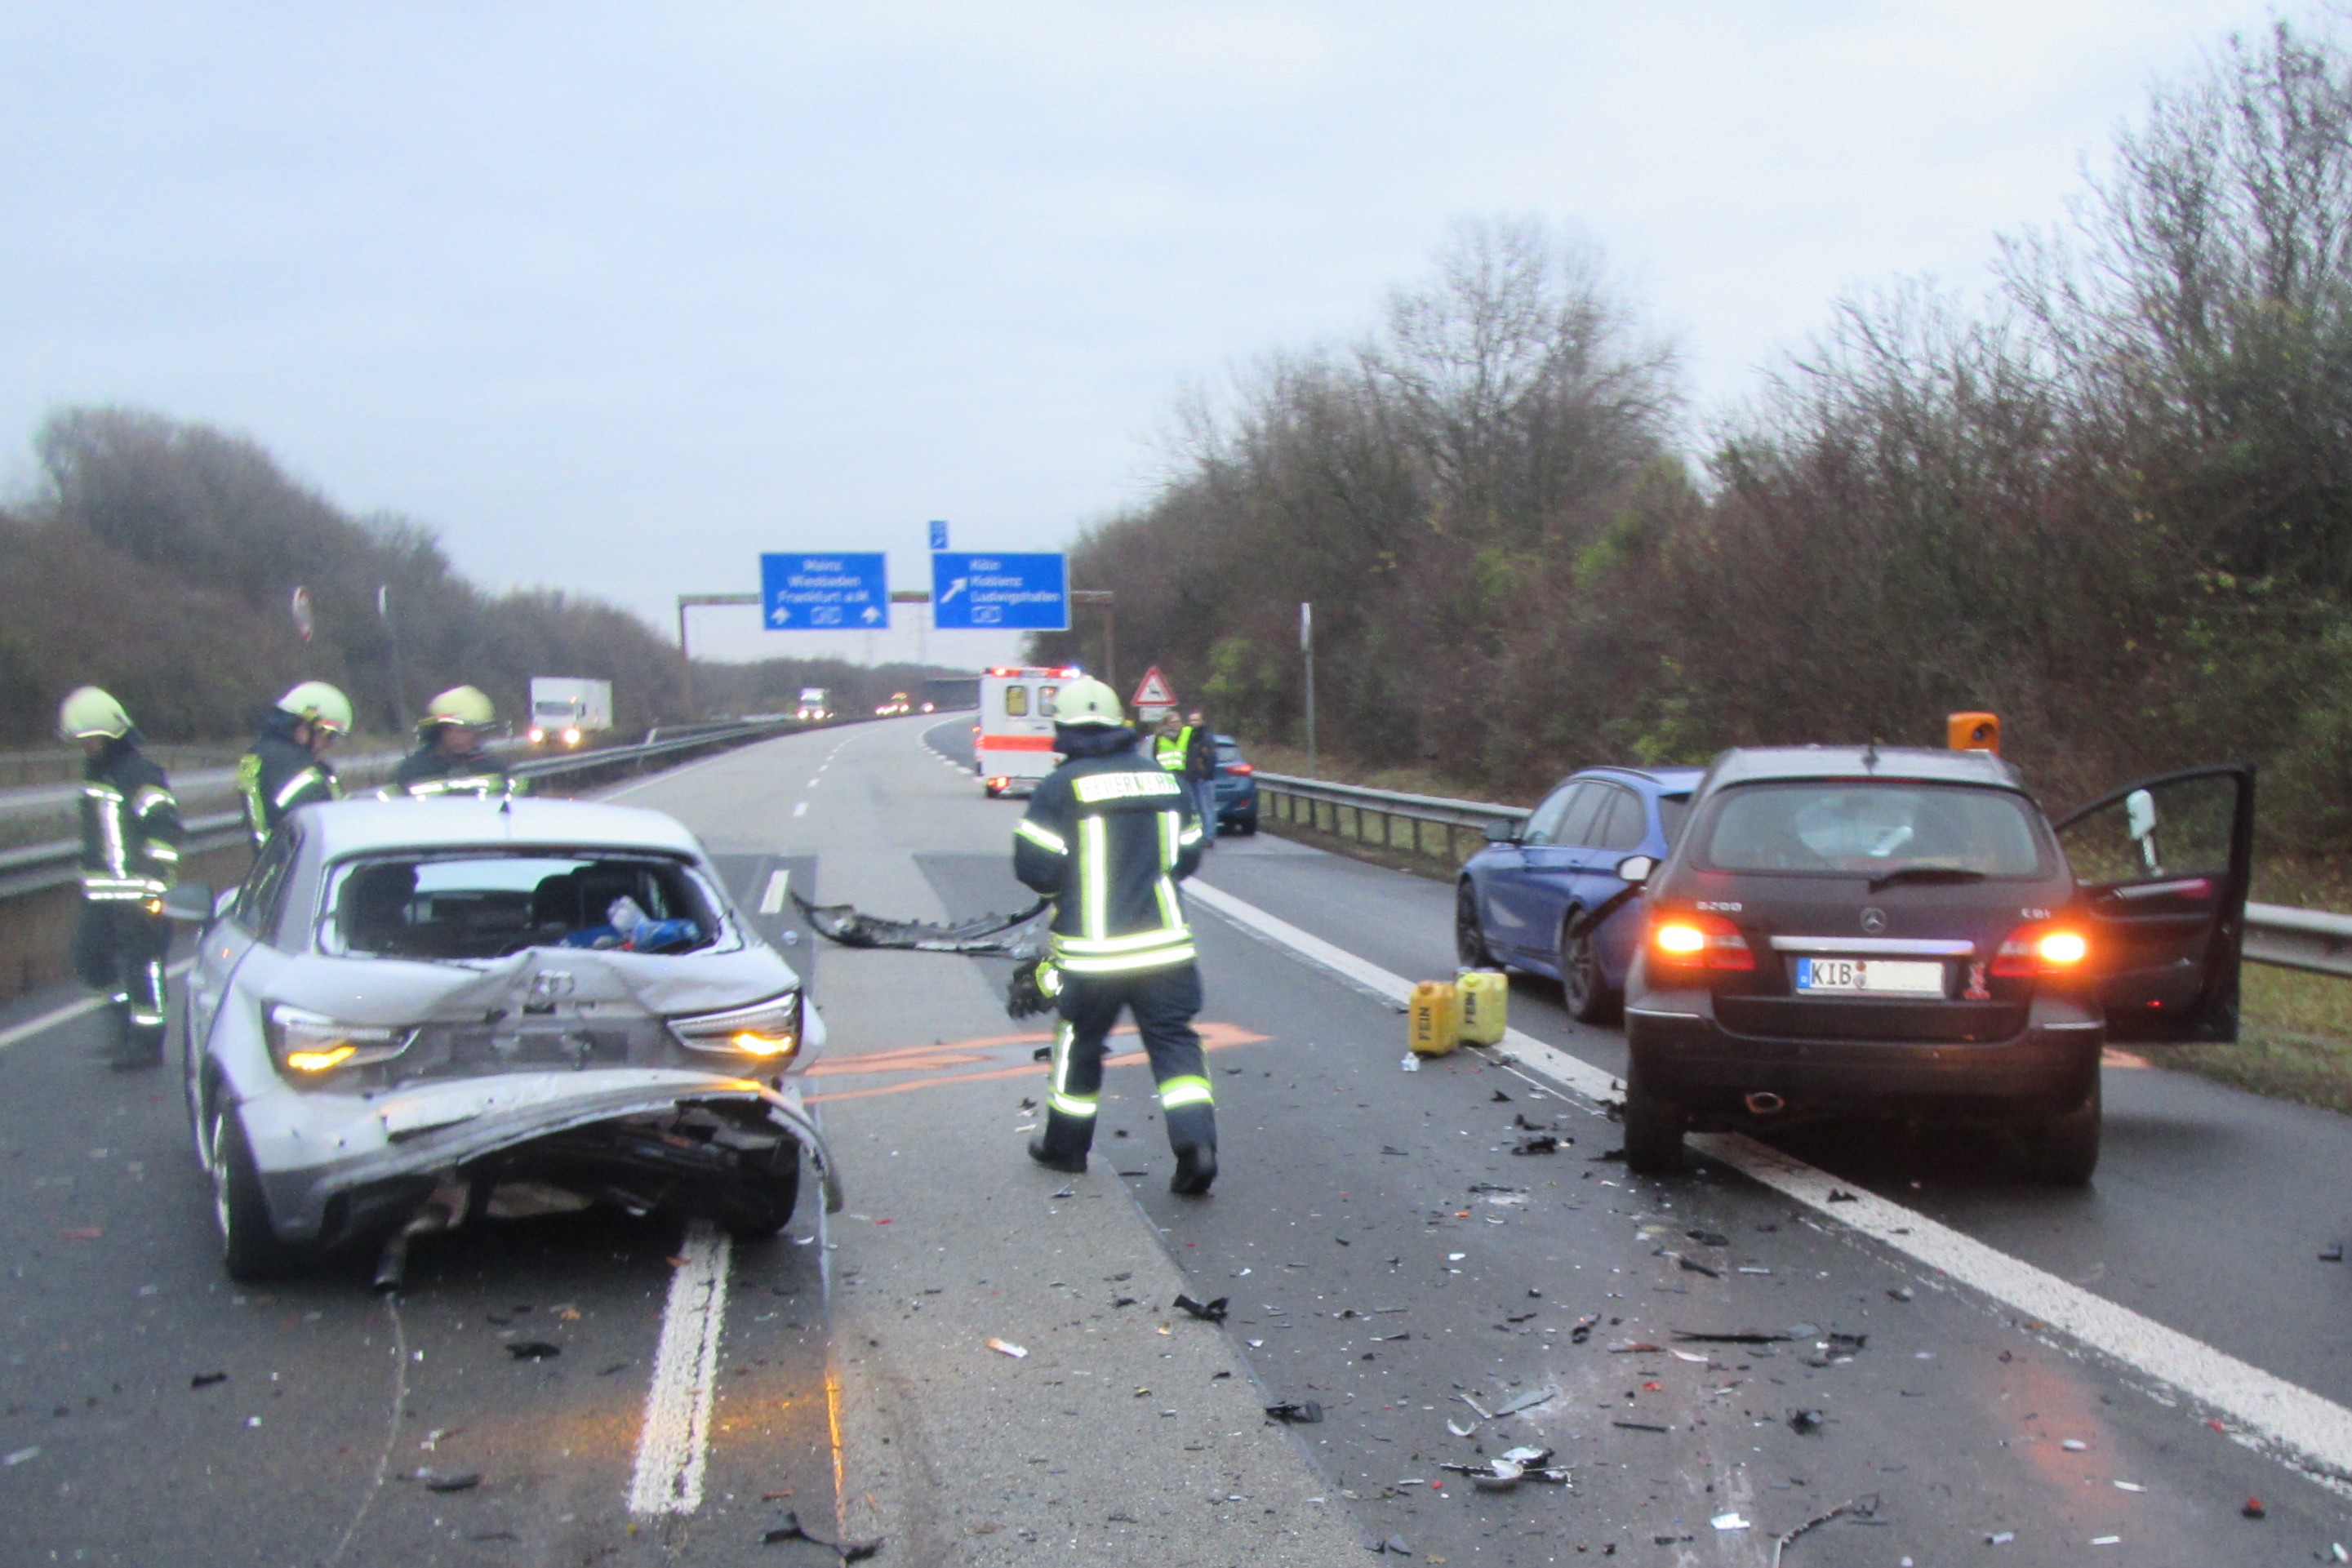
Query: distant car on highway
1236,783
1544,894
1849,930
413,1012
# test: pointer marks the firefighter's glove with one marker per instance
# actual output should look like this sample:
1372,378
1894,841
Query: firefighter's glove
1032,990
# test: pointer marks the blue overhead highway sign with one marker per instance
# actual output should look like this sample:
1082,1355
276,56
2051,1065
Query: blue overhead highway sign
1000,592
825,592
939,533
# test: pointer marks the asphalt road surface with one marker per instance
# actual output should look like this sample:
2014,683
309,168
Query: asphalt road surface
1971,1357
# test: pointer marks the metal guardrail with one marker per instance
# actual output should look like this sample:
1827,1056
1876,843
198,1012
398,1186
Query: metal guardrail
2315,940
32,868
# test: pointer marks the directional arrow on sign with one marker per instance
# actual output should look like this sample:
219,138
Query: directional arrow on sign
954,589
872,615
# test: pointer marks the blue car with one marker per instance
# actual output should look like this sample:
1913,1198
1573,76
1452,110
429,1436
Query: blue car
1236,788
1544,894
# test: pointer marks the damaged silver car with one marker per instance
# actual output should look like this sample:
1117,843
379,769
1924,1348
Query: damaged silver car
417,1013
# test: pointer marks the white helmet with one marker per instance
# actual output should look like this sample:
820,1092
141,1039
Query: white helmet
468,707
319,704
89,713
1087,700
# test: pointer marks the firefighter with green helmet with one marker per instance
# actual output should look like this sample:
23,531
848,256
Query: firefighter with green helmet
449,759
1109,835
287,765
130,843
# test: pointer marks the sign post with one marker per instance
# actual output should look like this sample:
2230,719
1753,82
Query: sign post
1307,646
825,592
973,592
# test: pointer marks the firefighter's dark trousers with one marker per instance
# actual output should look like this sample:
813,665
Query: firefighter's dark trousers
1163,1002
120,947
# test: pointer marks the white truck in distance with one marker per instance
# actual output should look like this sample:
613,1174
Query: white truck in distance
813,709
567,710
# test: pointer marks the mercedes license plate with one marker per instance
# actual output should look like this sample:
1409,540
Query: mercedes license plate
1868,977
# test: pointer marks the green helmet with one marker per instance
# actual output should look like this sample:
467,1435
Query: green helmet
466,705
1087,700
319,704
89,713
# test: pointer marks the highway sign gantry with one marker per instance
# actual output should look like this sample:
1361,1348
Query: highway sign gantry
825,592
1016,592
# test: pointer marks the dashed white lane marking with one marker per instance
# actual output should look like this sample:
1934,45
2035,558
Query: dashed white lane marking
779,882
813,783
676,1438
2311,1432
800,809
16,1034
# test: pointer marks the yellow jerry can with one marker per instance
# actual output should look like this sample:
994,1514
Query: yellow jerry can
1484,997
1432,1019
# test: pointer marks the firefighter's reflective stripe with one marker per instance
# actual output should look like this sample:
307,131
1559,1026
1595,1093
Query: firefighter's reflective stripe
1179,951
482,784
1045,839
1177,1093
1094,788
248,783
1133,941
151,797
147,1010
110,827
100,888
295,785
162,852
1171,828
1058,1097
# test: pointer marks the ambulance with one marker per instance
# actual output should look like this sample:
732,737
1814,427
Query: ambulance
1013,744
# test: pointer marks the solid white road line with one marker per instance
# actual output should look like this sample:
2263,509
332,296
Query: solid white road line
779,882
16,1034
676,1438
2313,1433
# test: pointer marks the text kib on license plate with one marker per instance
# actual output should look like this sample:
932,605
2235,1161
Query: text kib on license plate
1868,977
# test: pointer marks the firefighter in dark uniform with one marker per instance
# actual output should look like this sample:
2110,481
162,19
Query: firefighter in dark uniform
286,766
449,759
1108,837
130,839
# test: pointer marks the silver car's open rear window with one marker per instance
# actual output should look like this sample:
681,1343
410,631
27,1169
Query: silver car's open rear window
1872,828
488,904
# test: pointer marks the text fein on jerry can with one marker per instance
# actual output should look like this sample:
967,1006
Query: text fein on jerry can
1483,997
1433,1019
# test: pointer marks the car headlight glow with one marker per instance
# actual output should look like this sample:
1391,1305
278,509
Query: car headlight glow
768,1031
308,1045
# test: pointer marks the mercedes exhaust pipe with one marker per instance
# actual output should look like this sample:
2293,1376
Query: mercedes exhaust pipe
1764,1102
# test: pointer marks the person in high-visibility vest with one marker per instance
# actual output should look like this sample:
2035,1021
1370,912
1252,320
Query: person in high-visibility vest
1186,750
287,765
449,759
131,841
1109,835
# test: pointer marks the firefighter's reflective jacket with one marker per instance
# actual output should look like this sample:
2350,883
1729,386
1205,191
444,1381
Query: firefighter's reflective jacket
427,773
1108,837
279,773
130,833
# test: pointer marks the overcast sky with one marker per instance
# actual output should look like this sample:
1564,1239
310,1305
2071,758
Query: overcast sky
617,297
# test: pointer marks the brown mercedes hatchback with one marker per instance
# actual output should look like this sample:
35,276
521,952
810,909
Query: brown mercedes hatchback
1850,931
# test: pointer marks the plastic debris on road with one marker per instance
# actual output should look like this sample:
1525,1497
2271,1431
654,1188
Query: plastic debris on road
2332,1253
1538,1143
442,1481
1393,1546
1728,1521
1206,1312
1803,1421
1298,1413
2253,1509
533,1350
2001,1538
1006,1347
793,1530
206,1379
9,1461
1411,1063
1859,1508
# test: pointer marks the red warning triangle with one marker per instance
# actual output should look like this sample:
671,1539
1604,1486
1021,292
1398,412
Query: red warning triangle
1155,691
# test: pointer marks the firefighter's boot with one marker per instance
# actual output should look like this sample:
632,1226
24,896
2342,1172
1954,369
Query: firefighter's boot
1192,1134
1063,1145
